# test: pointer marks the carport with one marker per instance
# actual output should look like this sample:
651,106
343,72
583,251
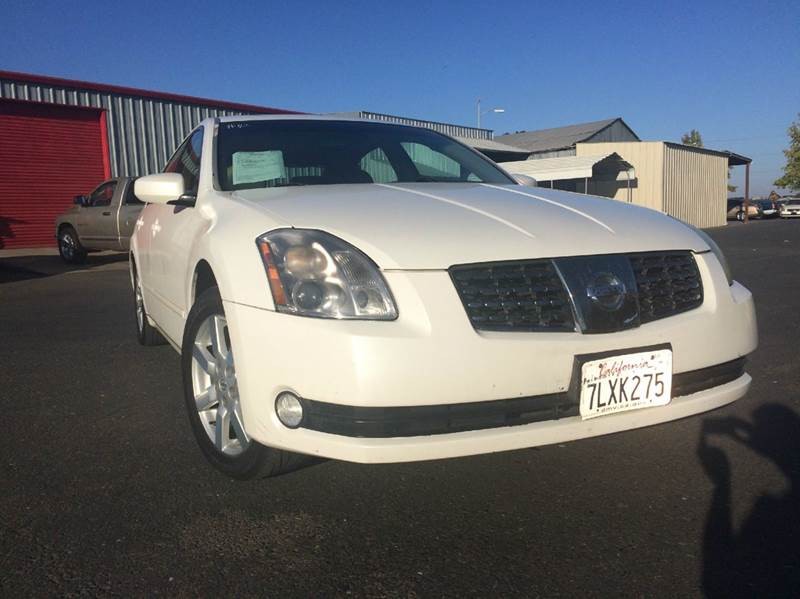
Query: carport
598,167
735,159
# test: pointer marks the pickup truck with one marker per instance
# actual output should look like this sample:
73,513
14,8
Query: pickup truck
102,220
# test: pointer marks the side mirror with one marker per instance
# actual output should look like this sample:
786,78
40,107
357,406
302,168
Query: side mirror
524,179
164,188
81,200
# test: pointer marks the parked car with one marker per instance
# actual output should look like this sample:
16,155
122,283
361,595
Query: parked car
102,220
736,210
374,292
769,209
791,208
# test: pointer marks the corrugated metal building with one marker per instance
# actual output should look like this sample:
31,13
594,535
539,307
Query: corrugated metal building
606,158
683,181
60,138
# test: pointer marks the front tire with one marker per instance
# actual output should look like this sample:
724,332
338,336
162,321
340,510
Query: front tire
69,246
740,216
212,398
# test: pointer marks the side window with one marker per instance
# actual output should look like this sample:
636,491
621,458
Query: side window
376,164
186,161
103,195
430,163
130,197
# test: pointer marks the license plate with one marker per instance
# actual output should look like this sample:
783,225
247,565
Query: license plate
626,382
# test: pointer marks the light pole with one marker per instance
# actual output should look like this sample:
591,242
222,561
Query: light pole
480,114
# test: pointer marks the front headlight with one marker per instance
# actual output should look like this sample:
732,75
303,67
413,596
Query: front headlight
717,252
313,273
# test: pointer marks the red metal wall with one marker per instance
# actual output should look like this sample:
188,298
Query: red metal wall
48,155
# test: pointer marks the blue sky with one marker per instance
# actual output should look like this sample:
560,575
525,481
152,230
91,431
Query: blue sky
731,70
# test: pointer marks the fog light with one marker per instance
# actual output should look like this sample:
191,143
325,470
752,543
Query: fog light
289,409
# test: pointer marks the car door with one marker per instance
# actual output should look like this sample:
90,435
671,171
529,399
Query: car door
129,210
172,231
96,222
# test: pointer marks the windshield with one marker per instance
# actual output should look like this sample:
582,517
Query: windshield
279,153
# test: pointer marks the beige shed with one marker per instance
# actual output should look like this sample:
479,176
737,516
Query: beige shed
683,181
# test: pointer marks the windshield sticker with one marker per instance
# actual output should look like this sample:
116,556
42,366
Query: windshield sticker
252,167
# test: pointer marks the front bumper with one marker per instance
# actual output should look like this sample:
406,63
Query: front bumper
431,356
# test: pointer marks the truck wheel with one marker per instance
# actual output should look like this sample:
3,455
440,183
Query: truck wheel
69,246
212,398
146,334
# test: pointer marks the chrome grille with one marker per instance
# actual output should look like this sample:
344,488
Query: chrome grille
668,283
514,296
528,295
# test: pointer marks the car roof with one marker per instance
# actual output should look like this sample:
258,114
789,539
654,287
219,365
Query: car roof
287,117
304,117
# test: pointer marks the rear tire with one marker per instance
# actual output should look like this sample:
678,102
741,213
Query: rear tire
212,398
69,246
146,334
740,216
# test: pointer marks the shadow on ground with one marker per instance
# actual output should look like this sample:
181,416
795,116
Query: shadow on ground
761,559
20,268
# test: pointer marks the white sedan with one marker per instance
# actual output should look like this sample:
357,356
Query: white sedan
373,292
790,209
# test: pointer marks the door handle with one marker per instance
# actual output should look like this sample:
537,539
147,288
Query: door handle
106,214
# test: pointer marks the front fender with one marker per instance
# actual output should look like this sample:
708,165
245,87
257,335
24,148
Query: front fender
229,248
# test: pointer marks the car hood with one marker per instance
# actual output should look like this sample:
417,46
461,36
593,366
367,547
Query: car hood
437,225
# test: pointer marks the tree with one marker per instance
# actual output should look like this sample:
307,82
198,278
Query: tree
693,138
791,172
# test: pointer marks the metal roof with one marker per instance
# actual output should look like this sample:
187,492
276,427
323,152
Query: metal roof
139,93
558,138
572,167
735,159
490,145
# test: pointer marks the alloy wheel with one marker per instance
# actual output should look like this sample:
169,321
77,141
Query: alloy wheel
67,246
139,306
214,386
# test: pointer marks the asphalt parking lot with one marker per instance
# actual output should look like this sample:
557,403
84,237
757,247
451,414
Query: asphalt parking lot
104,491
